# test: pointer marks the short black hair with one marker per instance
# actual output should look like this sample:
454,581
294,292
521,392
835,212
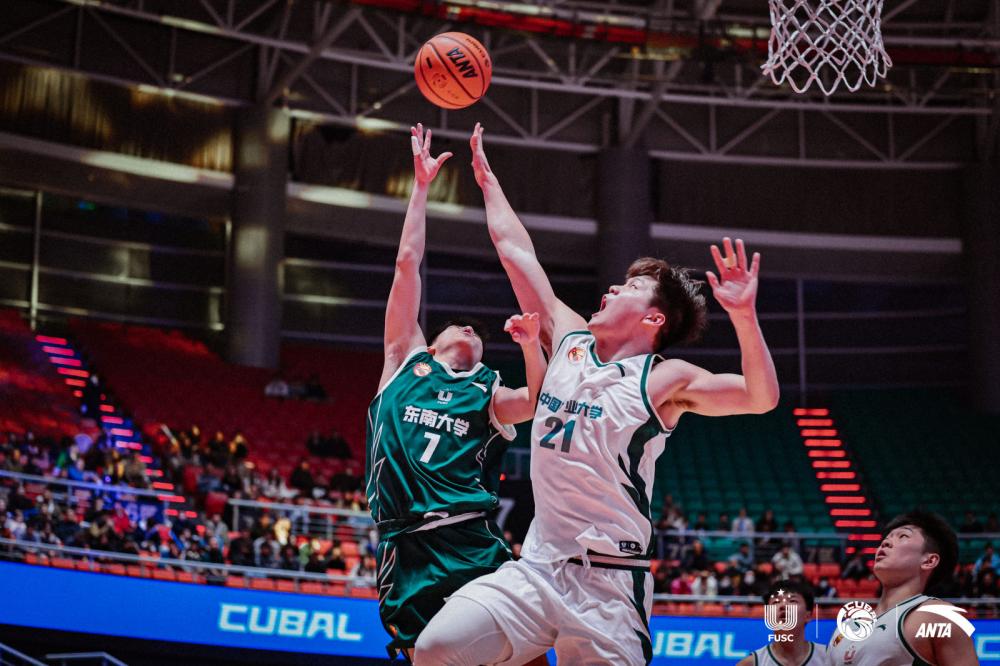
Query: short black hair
800,588
939,538
678,297
477,325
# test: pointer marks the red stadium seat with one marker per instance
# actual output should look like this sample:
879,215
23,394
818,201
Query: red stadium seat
63,563
235,581
185,577
810,571
114,569
312,588
829,570
262,584
164,574
286,585
135,570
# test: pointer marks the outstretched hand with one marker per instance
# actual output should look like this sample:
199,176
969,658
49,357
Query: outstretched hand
524,329
425,167
735,287
480,166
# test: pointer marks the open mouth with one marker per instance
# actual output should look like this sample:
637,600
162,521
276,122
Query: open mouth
879,556
604,302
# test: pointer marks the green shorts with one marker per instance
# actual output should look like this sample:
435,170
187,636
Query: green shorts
418,570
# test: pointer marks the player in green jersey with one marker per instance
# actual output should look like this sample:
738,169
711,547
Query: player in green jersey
436,431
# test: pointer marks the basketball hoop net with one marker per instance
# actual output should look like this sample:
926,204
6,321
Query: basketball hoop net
826,42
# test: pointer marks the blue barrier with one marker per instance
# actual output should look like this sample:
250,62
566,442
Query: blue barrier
50,598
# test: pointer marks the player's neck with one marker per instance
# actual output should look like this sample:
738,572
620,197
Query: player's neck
611,347
793,651
454,359
893,596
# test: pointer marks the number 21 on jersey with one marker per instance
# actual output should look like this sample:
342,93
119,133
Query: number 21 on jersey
556,426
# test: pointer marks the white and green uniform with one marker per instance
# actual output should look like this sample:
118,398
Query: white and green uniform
434,447
583,584
885,647
817,656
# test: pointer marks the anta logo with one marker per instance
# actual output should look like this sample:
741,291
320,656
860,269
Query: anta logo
576,354
422,369
459,60
934,630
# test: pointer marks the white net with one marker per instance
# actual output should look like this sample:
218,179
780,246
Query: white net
826,43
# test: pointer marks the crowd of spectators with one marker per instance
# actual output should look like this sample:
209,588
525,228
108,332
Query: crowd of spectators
80,458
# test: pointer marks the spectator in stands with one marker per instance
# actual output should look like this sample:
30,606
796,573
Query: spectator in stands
238,450
134,471
681,584
992,524
985,585
364,567
120,522
742,523
855,568
705,584
695,558
314,389
302,479
265,556
315,564
767,523
270,542
790,535
90,404
241,552
16,525
277,388
742,561
988,560
289,560
825,590
970,525
339,448
336,560
700,526
661,580
262,526
275,488
318,445
216,529
14,462
725,524
787,563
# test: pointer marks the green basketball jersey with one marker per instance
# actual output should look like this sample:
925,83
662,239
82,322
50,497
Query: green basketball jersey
433,443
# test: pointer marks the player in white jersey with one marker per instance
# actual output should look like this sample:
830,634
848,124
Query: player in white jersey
918,552
790,605
607,403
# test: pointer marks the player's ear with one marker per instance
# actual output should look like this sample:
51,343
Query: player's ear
931,560
655,318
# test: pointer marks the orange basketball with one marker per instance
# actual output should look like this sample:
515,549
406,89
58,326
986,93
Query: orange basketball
453,70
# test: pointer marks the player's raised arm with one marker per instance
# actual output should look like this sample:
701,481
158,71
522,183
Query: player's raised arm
402,330
677,385
517,254
516,405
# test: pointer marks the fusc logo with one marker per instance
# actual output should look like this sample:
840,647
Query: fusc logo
856,621
775,621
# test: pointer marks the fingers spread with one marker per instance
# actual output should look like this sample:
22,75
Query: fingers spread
415,146
727,245
755,266
712,280
717,258
741,254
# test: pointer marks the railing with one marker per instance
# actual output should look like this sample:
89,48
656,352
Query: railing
811,546
101,657
16,549
139,503
307,519
9,655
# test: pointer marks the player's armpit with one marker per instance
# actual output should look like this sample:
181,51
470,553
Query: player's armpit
513,405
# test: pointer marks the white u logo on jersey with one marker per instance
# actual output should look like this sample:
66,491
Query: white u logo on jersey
771,613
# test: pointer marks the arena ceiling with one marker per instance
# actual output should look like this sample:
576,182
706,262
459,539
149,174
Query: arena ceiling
678,77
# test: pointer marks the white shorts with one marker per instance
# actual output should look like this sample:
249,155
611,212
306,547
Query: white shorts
590,614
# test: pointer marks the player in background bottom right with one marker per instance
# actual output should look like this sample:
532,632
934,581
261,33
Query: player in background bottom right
919,550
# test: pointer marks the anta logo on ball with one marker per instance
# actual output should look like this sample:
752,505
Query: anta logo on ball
465,68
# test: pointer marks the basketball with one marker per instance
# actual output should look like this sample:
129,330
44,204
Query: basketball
453,70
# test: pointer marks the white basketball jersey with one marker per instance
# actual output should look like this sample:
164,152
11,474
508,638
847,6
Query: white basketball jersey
885,647
817,656
594,444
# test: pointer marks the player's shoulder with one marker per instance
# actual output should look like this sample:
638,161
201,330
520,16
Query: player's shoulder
749,660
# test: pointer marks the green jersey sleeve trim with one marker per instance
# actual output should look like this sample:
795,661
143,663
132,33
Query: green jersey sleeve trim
645,392
506,430
402,366
559,346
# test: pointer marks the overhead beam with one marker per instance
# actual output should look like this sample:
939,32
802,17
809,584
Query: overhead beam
317,49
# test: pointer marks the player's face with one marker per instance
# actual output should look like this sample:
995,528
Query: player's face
464,339
784,601
900,555
625,305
